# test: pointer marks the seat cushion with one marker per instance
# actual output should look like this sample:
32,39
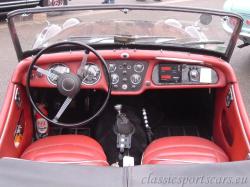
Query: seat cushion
66,149
183,149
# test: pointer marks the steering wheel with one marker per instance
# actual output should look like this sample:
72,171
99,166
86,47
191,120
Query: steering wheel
68,84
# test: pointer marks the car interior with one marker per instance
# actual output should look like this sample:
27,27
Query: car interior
151,106
124,92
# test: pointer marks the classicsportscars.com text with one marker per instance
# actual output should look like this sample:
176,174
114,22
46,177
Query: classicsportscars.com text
195,180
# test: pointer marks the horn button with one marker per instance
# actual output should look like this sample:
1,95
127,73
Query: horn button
68,84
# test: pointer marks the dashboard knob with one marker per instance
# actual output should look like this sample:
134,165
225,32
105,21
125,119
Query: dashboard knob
114,78
124,86
194,75
135,78
138,67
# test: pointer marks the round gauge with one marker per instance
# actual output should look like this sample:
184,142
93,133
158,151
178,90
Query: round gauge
114,78
135,79
60,68
139,67
112,68
92,74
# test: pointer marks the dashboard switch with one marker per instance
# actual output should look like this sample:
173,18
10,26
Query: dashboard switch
194,75
124,86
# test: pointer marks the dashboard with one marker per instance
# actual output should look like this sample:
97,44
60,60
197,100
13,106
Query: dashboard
134,75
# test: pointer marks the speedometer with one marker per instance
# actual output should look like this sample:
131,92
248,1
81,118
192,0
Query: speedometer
92,74
60,68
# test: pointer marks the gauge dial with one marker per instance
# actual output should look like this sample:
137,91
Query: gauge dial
138,67
112,68
114,78
135,79
92,74
60,68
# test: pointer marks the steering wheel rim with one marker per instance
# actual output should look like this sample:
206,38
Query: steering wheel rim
85,47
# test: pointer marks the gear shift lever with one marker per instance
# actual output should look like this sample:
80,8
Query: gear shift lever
118,108
123,128
123,125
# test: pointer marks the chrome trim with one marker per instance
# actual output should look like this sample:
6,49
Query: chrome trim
17,98
179,60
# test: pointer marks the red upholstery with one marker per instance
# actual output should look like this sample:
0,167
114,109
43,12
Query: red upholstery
183,149
66,149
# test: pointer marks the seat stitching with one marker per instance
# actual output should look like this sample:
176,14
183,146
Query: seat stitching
187,145
65,153
64,144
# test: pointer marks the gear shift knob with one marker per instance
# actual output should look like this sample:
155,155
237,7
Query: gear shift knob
118,108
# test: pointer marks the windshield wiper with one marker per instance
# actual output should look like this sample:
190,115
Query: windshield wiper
214,42
90,39
121,39
203,42
128,39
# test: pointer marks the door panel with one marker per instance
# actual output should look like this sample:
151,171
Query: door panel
229,131
15,117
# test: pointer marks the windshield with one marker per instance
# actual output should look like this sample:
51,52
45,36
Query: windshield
166,27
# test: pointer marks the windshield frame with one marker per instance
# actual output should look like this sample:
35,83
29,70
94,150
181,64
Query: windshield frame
225,56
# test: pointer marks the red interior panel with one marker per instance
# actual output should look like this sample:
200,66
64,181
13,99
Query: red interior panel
239,148
9,124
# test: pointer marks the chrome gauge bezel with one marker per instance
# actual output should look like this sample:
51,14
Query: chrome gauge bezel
54,65
100,74
139,63
135,83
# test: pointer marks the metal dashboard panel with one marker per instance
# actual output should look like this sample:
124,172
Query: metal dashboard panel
127,75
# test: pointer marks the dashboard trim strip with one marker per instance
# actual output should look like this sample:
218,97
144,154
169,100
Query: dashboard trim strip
179,60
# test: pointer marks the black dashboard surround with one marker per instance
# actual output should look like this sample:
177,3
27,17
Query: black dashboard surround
127,75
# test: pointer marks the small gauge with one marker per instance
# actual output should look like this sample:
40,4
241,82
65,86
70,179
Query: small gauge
60,68
92,74
135,79
114,78
139,67
112,68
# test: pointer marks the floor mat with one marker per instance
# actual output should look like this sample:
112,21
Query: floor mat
164,131
76,131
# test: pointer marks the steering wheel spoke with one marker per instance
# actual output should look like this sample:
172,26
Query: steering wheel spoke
51,74
62,109
81,69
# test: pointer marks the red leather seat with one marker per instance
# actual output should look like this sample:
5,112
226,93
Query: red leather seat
183,149
66,149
